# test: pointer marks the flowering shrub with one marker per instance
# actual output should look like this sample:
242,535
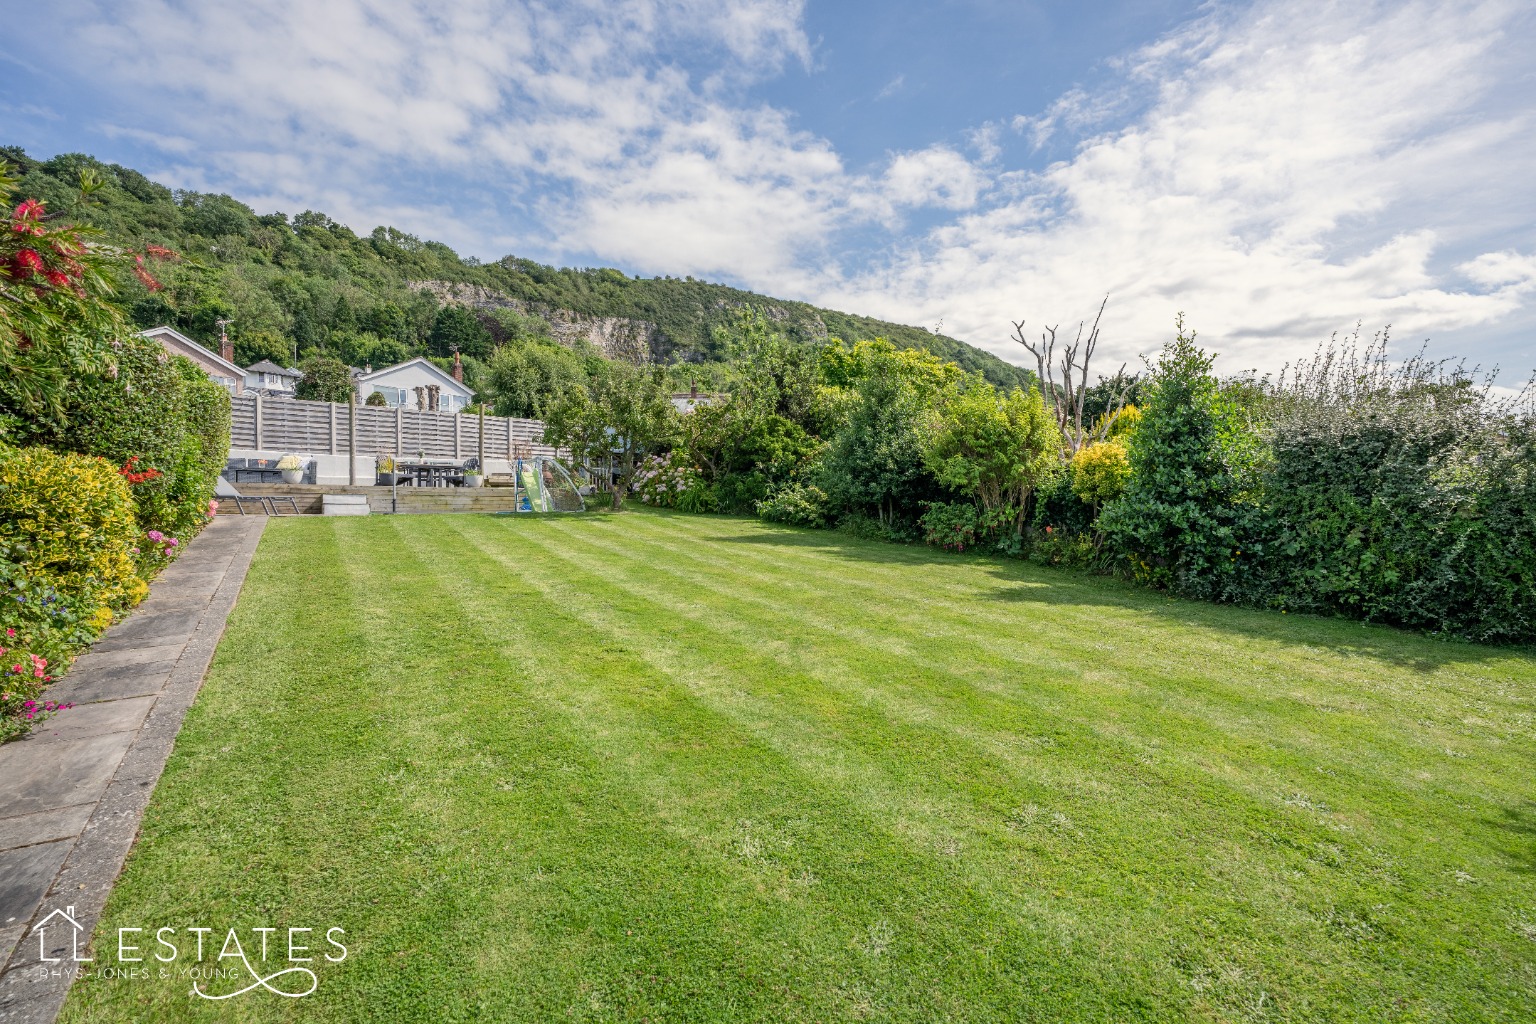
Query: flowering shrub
57,321
161,420
663,480
66,561
39,627
134,475
155,550
23,674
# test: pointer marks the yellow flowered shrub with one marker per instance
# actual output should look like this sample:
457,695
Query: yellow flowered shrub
1100,471
68,521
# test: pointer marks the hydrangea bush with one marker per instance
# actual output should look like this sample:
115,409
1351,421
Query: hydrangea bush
663,480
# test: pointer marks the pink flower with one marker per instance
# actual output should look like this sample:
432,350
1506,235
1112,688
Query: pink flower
172,541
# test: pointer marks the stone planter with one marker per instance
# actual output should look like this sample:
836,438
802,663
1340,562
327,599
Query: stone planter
293,476
474,480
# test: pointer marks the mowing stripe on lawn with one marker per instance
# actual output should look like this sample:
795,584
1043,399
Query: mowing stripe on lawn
872,733
695,768
664,731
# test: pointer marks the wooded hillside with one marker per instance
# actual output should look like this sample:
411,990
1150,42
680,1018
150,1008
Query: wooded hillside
305,282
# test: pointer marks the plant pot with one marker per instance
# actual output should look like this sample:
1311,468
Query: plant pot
293,476
474,480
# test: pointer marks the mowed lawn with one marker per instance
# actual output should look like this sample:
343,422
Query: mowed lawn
652,767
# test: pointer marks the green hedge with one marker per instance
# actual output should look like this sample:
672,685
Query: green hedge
165,412
1392,492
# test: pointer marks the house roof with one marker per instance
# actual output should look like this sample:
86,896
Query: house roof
268,366
174,339
445,377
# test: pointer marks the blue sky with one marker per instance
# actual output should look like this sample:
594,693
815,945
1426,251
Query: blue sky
1277,170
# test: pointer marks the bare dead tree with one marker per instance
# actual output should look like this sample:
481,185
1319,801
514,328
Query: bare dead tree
1066,396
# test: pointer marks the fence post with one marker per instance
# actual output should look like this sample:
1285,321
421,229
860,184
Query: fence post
399,429
352,438
332,407
258,423
456,434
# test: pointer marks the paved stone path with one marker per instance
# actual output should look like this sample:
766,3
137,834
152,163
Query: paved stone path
72,793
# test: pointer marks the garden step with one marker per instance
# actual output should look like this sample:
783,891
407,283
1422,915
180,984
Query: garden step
344,504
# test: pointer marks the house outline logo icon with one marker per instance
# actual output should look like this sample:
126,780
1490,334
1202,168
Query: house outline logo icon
41,928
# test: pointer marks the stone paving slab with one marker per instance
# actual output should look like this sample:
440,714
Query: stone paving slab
128,642
72,794
96,660
66,772
109,684
98,719
25,871
43,827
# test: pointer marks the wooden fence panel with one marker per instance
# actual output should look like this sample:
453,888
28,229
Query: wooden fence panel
323,428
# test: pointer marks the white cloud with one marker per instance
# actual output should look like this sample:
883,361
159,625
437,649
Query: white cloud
1296,165
937,176
1257,193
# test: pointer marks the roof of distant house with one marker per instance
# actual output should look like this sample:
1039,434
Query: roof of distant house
268,366
174,339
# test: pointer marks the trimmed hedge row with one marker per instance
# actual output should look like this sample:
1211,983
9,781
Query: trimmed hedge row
94,505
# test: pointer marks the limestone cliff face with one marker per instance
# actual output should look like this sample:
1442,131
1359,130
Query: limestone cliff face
614,336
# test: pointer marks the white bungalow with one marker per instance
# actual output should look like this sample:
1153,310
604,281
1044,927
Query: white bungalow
411,384
268,378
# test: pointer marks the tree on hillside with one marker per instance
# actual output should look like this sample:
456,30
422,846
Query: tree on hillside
456,329
618,418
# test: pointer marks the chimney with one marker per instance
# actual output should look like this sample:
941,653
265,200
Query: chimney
693,389
227,349
458,368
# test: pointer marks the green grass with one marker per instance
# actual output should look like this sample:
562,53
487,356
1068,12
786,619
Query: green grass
669,768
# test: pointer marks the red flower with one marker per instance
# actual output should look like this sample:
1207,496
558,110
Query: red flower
133,475
57,278
160,252
143,275
27,218
25,263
